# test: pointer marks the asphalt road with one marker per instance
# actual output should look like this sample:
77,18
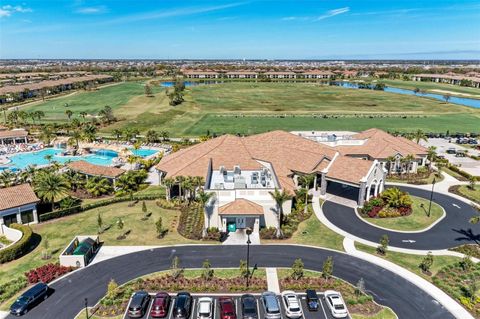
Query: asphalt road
452,231
389,289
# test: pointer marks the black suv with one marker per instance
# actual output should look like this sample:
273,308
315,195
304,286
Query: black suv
183,305
249,307
312,300
29,299
139,304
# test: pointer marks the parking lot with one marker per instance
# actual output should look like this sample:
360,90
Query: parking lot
322,313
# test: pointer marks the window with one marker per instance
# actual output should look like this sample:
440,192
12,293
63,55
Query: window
10,219
27,217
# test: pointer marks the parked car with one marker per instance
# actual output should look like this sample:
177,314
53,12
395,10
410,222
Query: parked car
271,306
205,308
313,303
160,305
451,150
139,304
336,304
227,308
29,299
291,304
183,305
249,307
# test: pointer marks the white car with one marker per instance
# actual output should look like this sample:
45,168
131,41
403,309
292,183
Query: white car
205,308
291,304
336,304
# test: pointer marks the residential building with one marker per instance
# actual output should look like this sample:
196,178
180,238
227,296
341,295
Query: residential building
449,78
241,75
318,74
18,204
242,171
281,75
191,74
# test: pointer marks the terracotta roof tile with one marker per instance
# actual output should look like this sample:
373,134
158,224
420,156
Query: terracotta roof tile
16,196
13,133
95,170
349,169
241,207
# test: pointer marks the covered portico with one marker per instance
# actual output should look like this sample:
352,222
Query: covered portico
17,136
240,214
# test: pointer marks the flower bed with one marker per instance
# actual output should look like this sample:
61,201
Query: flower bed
391,203
116,304
290,224
47,273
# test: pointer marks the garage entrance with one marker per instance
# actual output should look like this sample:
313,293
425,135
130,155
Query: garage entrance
343,190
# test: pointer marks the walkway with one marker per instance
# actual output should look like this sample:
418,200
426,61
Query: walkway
240,238
390,289
454,307
272,280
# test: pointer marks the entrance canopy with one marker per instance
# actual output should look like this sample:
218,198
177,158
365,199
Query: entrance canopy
241,207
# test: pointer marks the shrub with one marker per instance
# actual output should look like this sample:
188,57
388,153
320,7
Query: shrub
427,262
213,233
268,233
19,248
11,287
382,248
327,268
191,222
297,269
46,273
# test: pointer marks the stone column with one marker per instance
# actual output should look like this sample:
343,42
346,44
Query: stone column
224,224
377,186
323,184
315,182
361,194
19,217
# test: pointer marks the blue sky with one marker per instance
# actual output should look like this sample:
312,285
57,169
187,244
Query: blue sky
163,29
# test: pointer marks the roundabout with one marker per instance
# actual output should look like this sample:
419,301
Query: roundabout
388,289
451,231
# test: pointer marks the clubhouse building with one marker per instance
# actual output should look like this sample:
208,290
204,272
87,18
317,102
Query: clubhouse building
18,204
241,171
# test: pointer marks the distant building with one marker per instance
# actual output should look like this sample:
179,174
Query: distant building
318,74
18,204
15,136
281,75
201,74
91,170
449,78
241,75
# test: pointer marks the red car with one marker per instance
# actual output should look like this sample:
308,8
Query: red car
160,305
227,308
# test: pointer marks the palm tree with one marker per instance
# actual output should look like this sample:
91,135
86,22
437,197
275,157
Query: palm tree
97,186
431,155
418,136
47,135
475,219
164,135
83,114
69,114
391,163
187,185
168,182
27,174
117,133
89,133
396,198
280,198
306,181
48,157
75,138
51,187
151,136
472,181
180,180
7,178
203,199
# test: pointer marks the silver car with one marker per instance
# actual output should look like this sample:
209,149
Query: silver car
205,308
271,305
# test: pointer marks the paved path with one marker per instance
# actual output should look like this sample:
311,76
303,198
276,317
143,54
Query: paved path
451,231
454,307
272,280
390,289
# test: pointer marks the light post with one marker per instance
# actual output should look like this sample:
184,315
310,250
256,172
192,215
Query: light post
248,231
431,197
86,307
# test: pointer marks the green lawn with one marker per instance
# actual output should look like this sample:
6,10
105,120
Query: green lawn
386,313
432,87
61,231
417,220
415,180
411,262
466,191
91,102
313,232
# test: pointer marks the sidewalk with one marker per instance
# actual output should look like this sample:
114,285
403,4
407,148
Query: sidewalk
450,304
272,280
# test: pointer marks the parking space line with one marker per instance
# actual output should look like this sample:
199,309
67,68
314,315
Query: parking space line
323,309
258,308
236,307
214,307
149,308
301,307
170,311
193,308
126,310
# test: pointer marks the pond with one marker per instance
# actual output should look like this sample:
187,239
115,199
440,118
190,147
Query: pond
453,99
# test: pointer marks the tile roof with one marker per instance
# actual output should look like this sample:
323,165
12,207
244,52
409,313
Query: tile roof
95,170
349,169
17,196
286,152
241,207
13,133
380,145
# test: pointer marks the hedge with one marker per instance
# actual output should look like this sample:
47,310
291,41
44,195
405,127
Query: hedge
19,248
459,171
78,209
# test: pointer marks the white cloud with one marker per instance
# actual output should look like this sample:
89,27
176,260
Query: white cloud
328,14
333,13
8,10
92,10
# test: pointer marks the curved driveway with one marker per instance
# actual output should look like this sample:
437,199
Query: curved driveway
451,231
389,289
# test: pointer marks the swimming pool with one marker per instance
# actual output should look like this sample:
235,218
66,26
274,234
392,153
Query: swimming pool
22,160
143,152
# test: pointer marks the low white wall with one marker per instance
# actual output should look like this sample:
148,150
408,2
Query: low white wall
11,234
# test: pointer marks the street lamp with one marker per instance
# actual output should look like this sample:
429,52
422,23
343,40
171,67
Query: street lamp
249,232
431,197
86,307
